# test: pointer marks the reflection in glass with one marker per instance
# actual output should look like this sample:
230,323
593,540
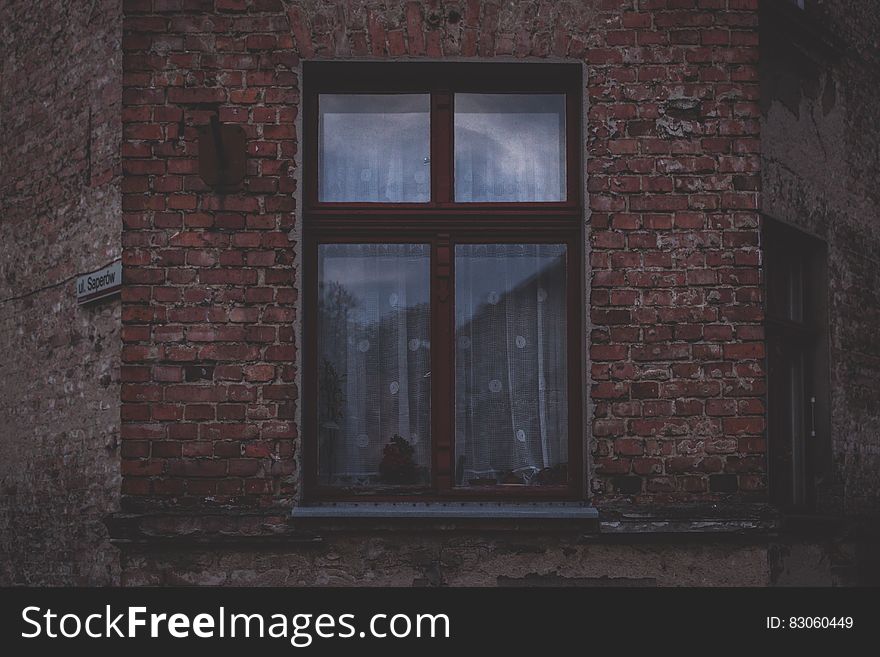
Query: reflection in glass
510,365
787,397
509,147
374,148
374,385
785,285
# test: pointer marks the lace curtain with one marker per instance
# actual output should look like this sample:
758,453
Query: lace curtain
374,364
509,147
374,148
510,364
374,383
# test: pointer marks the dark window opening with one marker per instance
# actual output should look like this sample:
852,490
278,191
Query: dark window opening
797,364
442,227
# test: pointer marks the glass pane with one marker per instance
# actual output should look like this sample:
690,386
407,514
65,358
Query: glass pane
509,147
374,385
787,411
784,266
374,148
511,406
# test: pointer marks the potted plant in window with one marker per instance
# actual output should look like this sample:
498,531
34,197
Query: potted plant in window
398,465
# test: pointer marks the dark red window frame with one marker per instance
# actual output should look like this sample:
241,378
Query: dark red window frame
443,223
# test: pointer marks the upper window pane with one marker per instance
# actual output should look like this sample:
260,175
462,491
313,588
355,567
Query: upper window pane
509,147
374,148
785,281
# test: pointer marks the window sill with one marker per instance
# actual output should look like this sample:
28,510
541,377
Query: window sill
308,526
448,510
489,517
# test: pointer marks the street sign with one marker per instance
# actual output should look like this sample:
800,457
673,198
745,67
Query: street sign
99,284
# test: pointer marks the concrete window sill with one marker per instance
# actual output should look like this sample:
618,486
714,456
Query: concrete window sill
446,516
452,511
309,525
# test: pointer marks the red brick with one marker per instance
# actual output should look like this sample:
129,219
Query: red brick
629,447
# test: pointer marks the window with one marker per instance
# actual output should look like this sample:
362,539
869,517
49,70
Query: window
797,363
442,240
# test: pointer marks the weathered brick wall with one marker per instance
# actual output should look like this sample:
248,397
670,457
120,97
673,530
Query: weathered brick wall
60,99
210,355
208,313
821,164
673,176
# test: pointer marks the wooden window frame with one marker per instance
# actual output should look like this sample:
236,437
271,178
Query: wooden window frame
442,223
808,337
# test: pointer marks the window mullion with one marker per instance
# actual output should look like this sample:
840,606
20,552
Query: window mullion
441,147
442,356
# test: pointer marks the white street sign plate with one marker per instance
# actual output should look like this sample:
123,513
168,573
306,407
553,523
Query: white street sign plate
99,284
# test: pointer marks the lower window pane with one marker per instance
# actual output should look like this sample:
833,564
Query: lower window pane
511,406
374,386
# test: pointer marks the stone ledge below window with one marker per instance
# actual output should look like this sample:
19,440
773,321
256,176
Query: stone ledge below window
307,526
488,517
448,510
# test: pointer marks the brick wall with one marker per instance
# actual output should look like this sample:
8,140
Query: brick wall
210,355
208,313
676,345
60,99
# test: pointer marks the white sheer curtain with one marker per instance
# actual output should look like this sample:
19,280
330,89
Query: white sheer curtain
509,147
510,370
374,363
374,148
